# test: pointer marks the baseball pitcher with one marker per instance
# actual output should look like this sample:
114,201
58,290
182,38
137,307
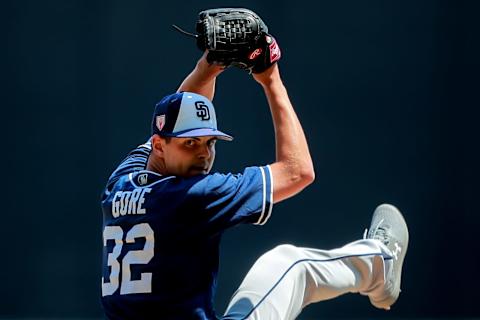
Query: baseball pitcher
164,210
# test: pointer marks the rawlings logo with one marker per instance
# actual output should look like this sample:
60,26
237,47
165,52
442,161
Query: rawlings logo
255,53
275,53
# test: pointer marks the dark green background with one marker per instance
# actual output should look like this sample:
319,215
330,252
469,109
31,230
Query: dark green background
387,92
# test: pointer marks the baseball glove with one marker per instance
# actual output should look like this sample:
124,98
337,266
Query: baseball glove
236,37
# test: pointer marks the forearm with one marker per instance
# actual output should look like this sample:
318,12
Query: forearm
293,167
202,79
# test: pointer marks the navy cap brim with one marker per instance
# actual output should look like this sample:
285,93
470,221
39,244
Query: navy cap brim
203,132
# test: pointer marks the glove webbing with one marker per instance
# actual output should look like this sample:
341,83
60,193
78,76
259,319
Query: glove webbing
234,31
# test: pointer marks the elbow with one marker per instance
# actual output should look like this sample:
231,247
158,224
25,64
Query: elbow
287,182
304,176
308,176
306,172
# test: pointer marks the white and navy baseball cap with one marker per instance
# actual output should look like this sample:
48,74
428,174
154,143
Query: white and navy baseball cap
184,115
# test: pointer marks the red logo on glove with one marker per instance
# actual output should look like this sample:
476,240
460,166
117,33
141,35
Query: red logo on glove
275,52
255,53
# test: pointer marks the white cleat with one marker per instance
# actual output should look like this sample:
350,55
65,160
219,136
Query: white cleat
389,227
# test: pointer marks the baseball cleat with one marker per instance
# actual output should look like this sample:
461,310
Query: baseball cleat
389,227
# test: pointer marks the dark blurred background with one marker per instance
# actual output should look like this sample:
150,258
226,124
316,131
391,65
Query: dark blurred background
387,91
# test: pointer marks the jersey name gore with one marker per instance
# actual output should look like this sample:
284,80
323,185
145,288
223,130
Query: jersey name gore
129,202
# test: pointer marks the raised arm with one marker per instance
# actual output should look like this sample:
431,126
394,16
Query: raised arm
293,169
202,78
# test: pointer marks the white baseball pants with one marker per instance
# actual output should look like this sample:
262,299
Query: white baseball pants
286,279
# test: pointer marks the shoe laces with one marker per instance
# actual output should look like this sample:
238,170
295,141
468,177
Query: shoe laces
379,233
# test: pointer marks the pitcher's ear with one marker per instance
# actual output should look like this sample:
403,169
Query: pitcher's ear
157,144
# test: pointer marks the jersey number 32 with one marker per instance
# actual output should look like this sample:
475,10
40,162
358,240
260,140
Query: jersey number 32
128,286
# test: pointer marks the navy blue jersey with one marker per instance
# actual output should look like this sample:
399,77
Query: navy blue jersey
161,236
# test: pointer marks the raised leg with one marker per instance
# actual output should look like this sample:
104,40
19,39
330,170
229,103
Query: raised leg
286,279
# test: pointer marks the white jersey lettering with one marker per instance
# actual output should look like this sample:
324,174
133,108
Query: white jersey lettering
129,202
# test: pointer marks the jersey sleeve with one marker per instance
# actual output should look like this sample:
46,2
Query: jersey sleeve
136,160
229,199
